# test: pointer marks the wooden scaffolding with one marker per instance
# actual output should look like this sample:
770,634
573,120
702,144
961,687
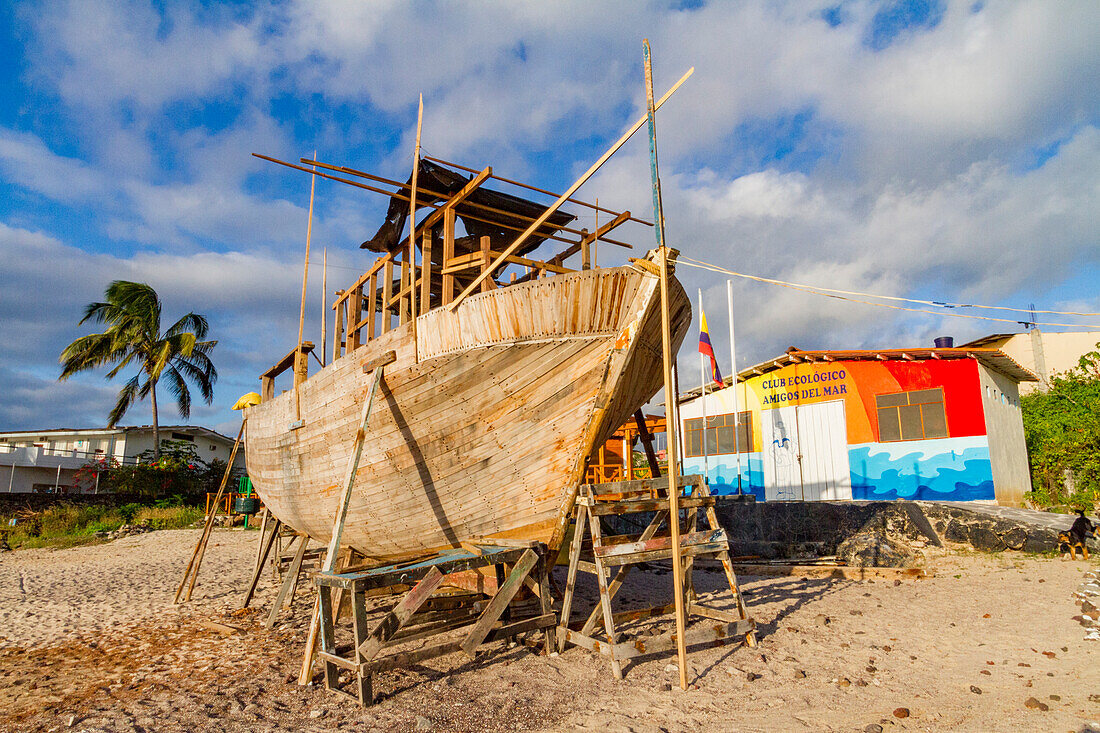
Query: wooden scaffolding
624,551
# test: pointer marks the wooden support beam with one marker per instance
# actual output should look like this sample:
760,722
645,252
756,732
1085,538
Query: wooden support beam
192,569
506,591
387,295
448,254
392,622
561,199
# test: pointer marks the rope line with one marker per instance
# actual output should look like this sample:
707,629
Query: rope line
843,295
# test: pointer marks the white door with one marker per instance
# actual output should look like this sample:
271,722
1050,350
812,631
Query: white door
806,453
781,474
823,441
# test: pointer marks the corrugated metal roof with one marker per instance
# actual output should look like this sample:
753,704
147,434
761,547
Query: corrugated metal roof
993,358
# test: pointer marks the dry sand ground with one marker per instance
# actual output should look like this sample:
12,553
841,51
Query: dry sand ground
91,641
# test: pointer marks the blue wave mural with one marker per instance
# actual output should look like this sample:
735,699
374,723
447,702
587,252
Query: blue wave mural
951,469
723,473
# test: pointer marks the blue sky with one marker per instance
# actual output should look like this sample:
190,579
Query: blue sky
947,150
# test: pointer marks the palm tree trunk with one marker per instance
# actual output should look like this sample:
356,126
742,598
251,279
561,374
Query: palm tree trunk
156,425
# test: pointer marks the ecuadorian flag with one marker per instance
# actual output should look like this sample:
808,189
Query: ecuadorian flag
707,350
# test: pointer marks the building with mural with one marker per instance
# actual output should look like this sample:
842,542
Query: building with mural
941,423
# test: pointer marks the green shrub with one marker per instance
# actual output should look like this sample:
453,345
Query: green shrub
1062,429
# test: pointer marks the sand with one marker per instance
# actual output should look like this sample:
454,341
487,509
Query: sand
90,640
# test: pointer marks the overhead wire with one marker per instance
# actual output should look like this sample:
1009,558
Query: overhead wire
844,295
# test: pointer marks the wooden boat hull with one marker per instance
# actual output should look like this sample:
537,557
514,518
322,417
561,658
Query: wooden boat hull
480,428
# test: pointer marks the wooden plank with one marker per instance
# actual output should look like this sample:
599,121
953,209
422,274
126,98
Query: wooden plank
426,272
339,661
263,559
387,295
338,334
643,484
605,599
448,254
706,633
385,359
697,609
620,575
499,602
634,506
609,552
220,628
710,548
200,546
562,199
287,361
290,580
372,306
355,314
833,572
392,622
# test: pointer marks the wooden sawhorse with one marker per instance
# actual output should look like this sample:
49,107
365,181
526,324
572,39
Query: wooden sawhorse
418,615
632,497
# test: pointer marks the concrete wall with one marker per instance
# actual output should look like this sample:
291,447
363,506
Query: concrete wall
1061,352
1004,427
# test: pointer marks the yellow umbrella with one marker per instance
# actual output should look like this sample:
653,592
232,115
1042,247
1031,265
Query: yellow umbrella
248,400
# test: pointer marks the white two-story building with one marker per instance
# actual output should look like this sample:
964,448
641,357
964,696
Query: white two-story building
46,461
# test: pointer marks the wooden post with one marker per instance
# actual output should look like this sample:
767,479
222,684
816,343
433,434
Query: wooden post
372,305
448,254
387,293
670,393
378,366
412,216
486,259
324,305
426,272
299,370
338,333
200,547
403,301
561,199
355,314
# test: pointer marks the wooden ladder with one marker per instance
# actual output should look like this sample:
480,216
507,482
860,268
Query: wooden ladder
626,498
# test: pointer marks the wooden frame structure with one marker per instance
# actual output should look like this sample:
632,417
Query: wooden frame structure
624,551
423,613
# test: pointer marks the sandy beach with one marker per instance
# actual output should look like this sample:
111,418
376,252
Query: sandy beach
90,640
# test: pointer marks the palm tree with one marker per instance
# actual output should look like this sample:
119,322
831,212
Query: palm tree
134,337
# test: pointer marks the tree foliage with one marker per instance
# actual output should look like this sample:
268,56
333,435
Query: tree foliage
179,475
1062,428
178,356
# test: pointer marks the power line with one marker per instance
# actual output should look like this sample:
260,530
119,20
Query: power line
842,295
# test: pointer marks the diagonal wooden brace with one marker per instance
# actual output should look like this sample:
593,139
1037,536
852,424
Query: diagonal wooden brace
504,595
392,622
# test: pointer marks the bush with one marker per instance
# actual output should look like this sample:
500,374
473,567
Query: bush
1062,429
179,477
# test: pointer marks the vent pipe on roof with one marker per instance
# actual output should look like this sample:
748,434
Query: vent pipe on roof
944,342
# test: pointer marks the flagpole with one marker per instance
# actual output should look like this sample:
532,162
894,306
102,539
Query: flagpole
733,376
703,393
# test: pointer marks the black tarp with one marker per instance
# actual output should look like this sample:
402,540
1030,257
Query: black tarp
442,183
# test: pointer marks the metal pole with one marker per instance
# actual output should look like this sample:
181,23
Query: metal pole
11,479
733,376
703,397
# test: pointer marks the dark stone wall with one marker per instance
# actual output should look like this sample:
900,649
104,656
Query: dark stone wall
777,529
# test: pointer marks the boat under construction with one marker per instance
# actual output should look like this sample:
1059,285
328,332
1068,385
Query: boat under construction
507,371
